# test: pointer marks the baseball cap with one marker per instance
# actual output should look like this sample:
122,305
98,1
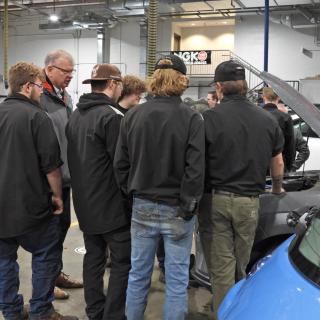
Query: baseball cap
177,64
229,71
104,71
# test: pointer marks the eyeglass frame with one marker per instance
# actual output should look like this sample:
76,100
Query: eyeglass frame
64,70
40,86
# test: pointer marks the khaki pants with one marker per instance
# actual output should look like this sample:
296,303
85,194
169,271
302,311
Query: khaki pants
227,234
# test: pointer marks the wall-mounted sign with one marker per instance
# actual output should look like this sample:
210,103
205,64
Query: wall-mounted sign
194,57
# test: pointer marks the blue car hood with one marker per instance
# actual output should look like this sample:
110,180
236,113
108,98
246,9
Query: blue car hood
276,291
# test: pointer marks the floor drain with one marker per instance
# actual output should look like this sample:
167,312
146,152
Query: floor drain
80,250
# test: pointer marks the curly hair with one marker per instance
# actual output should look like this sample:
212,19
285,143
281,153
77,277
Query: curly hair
131,85
22,73
167,82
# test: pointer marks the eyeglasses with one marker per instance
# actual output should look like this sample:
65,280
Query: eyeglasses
40,86
64,70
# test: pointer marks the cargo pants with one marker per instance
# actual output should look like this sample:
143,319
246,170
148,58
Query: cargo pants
227,234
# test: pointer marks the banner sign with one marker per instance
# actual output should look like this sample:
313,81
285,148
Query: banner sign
194,57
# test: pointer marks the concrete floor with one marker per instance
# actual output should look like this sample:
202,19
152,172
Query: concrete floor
75,305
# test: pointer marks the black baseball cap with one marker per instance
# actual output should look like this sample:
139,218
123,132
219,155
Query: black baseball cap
229,71
177,64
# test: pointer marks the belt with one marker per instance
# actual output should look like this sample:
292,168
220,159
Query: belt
231,194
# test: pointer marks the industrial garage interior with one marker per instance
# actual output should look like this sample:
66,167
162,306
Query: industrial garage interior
277,37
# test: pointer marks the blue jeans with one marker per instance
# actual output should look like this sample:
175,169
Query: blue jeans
43,243
150,220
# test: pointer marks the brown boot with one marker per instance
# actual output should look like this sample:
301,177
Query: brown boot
59,294
57,316
64,281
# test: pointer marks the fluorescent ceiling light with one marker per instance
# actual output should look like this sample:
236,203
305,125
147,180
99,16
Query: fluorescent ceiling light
53,18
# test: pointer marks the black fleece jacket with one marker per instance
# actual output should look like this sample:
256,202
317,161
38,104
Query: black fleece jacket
160,153
92,134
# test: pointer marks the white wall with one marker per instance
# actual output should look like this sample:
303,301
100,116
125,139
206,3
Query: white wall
285,48
125,47
310,89
28,43
207,38
165,34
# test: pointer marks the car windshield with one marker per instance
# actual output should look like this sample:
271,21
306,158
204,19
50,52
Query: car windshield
310,244
305,252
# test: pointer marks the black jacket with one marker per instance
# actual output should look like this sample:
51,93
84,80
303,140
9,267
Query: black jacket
29,151
160,153
286,125
92,133
59,112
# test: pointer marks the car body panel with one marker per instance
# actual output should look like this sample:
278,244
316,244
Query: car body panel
275,291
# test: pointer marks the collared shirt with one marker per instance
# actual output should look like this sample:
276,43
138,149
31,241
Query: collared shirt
241,139
29,150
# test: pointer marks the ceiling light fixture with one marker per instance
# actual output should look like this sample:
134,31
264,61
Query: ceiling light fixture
53,17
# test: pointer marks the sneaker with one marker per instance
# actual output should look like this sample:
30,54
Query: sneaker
57,316
64,281
59,294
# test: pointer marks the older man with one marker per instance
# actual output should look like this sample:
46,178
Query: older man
59,68
29,172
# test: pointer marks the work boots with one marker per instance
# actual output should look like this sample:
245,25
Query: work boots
57,316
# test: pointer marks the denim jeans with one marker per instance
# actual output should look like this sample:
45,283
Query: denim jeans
150,220
43,243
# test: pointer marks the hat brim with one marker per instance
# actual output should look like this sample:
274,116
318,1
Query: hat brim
102,79
95,79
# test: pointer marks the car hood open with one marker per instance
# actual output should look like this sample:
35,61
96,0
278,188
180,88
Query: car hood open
295,100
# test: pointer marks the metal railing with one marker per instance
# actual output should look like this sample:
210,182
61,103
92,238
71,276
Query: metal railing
218,56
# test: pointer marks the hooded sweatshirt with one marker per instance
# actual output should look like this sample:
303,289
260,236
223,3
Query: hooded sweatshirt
92,134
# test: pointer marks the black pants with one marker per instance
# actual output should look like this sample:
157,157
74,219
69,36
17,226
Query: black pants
161,254
111,306
64,218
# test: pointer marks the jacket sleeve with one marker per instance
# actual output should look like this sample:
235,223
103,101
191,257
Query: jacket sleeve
46,143
289,145
193,179
111,132
302,149
121,159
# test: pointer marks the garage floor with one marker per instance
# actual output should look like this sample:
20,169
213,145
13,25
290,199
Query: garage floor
198,297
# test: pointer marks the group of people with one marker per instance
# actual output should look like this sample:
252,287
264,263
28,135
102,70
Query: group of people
137,178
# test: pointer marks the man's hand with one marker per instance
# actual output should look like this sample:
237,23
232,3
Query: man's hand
57,205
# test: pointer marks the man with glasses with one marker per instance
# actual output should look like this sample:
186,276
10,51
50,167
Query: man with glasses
59,68
103,215
30,196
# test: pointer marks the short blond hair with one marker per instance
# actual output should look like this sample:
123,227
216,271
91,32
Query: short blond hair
269,94
22,73
167,82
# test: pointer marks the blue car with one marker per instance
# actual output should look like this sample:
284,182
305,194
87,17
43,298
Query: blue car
284,285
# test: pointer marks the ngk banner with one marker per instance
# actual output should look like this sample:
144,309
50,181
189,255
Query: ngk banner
194,57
